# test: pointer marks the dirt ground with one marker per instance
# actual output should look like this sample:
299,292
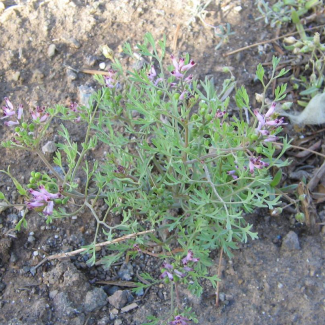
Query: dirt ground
277,279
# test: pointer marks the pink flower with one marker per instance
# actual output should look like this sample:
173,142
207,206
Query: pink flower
9,111
11,123
43,198
189,257
256,163
179,320
152,73
180,67
232,174
39,114
110,79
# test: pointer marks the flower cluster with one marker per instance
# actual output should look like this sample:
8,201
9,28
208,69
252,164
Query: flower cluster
169,270
256,162
111,79
43,198
152,75
180,67
38,114
9,111
179,320
266,123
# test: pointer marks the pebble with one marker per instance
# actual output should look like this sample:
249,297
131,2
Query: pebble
129,307
15,76
119,299
13,218
31,239
49,147
51,50
290,241
91,60
71,75
126,272
118,322
84,94
102,65
95,299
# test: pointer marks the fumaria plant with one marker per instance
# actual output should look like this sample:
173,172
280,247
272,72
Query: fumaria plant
176,162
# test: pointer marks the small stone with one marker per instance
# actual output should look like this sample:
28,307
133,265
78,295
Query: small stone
49,147
84,94
95,299
102,65
13,218
126,272
35,253
15,76
119,299
51,50
71,75
118,322
238,8
91,60
291,242
129,307
110,290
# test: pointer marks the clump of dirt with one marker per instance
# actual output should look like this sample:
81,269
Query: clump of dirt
277,279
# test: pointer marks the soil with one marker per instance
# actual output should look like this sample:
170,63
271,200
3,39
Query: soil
277,279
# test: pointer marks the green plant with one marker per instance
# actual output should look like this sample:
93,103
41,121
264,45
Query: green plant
281,11
177,163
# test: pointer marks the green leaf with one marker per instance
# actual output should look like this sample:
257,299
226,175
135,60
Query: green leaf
260,73
275,62
277,178
2,196
241,97
309,91
280,92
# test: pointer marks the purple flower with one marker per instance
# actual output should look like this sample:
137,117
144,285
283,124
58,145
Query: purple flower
256,163
39,114
9,111
180,67
220,113
266,121
232,174
43,198
11,123
110,79
189,257
179,320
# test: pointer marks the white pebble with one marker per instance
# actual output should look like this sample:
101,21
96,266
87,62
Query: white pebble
102,65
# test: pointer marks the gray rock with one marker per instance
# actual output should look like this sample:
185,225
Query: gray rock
13,218
71,75
119,299
84,94
95,299
49,147
290,242
126,272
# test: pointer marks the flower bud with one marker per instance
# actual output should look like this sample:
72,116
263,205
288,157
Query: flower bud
290,40
316,39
